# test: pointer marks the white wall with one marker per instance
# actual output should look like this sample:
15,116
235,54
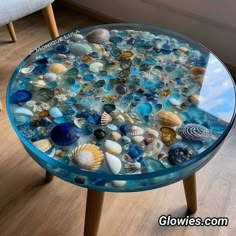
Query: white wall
211,22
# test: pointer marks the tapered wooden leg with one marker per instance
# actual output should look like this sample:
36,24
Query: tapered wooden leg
48,177
191,193
93,212
11,31
50,20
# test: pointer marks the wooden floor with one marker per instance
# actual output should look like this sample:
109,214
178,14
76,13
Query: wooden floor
30,208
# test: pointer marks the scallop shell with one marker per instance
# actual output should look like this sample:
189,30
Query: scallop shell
79,122
138,139
120,118
115,135
135,130
57,68
113,163
87,156
106,118
43,145
152,133
168,118
132,167
112,147
194,132
128,118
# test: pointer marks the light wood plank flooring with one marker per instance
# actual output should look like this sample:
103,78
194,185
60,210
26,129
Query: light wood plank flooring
30,208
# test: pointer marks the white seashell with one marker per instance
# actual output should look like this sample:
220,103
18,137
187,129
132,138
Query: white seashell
96,67
87,156
106,118
115,135
77,37
27,70
31,103
112,147
128,118
152,133
50,77
39,83
79,122
120,118
23,111
135,130
132,167
113,163
174,102
43,145
138,139
119,183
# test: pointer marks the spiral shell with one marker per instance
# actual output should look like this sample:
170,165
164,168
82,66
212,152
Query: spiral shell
106,118
168,118
87,156
194,132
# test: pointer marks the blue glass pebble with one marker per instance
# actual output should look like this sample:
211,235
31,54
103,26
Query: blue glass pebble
20,96
88,77
135,152
115,39
124,129
143,109
61,48
94,118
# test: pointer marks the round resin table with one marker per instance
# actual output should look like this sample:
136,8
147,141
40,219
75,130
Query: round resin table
121,108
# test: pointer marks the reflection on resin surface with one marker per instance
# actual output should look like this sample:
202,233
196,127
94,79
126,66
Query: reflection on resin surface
121,100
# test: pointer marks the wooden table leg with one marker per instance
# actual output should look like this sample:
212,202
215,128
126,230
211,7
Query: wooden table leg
93,212
191,193
48,177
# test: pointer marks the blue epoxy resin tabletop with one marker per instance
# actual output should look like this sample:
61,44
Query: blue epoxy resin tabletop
121,107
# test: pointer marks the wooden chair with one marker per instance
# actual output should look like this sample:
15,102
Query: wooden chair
12,10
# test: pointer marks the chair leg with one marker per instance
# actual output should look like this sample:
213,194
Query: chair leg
50,20
11,31
190,190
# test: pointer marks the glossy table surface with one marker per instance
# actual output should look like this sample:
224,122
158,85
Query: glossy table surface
121,107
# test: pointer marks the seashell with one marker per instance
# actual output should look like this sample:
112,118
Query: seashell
138,139
43,145
79,122
194,99
57,68
87,156
43,114
120,118
183,49
119,183
79,49
96,67
106,118
135,130
198,71
161,156
152,133
168,136
21,111
27,70
116,136
39,83
55,112
128,118
174,102
50,77
126,55
86,58
98,36
112,127
194,132
65,134
113,163
180,152
148,141
77,37
99,133
112,147
132,167
168,118
165,93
